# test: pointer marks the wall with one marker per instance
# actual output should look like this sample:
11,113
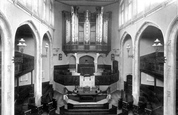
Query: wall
114,8
149,80
57,43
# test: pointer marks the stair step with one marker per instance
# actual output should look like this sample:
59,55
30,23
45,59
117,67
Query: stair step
88,113
88,110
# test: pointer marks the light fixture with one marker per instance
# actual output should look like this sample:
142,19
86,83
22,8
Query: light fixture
116,52
128,50
21,45
46,48
157,44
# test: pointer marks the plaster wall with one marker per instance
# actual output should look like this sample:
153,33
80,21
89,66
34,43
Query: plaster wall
149,80
57,43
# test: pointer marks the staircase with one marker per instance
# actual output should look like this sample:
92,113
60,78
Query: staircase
89,109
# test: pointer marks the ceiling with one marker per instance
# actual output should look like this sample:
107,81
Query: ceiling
87,2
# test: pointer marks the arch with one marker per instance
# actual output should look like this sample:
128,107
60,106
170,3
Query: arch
87,58
121,67
49,36
37,63
7,97
72,59
100,57
170,68
136,63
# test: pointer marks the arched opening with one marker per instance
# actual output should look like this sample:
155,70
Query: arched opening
25,53
86,59
72,63
127,58
45,59
151,58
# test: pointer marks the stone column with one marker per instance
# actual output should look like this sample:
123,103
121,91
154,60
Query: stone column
7,70
136,74
170,79
38,74
7,75
77,62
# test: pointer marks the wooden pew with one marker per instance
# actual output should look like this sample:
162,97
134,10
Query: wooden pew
148,111
27,112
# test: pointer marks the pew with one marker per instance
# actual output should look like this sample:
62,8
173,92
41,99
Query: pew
50,107
148,111
36,110
27,112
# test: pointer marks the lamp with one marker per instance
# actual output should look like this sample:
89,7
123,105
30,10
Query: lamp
116,52
21,45
157,44
46,48
128,50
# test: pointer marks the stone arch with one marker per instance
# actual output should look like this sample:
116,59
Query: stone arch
7,66
170,69
121,67
49,36
37,63
136,60
87,58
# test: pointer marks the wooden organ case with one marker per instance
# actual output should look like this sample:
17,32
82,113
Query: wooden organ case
86,31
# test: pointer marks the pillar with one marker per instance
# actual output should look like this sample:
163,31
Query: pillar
7,86
136,75
170,80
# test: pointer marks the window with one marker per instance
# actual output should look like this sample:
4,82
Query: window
130,4
140,6
128,10
122,13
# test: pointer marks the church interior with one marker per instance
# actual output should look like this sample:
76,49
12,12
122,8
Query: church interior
88,57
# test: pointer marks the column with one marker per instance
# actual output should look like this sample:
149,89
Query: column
77,62
170,78
38,75
136,75
7,78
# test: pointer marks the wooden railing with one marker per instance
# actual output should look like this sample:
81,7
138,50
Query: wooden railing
64,77
153,64
23,64
102,48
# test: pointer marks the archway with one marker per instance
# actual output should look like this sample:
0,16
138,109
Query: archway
45,58
72,63
151,58
86,59
126,60
170,70
24,66
28,73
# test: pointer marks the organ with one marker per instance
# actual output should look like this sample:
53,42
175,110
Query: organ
86,31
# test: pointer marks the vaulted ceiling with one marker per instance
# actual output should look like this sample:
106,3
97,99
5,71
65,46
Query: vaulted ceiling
87,2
